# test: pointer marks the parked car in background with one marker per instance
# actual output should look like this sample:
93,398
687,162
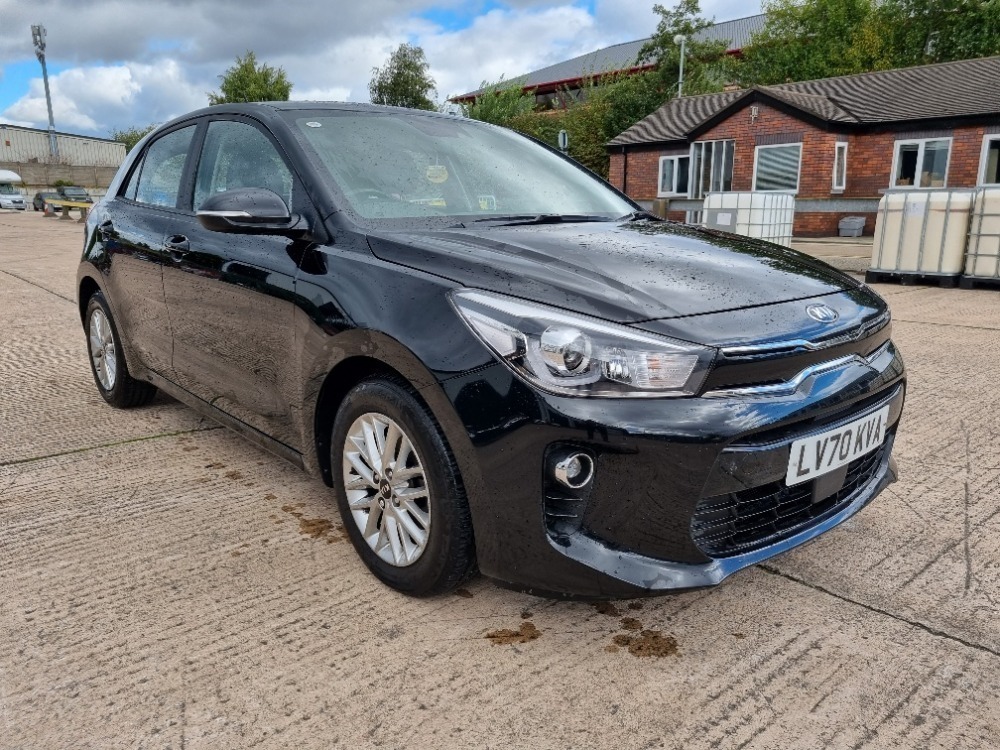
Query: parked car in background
495,359
74,193
40,199
10,195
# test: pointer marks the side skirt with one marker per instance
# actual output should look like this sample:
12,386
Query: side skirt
203,407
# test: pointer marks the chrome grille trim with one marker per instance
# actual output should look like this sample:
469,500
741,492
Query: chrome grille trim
790,387
791,345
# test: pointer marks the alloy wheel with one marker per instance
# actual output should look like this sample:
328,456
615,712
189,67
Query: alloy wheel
102,349
386,489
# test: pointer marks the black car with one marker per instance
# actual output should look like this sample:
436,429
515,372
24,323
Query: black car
495,359
74,193
40,199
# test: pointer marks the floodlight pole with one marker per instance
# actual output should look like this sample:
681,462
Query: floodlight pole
682,41
38,38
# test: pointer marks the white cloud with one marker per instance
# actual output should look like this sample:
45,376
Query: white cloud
136,63
97,98
507,43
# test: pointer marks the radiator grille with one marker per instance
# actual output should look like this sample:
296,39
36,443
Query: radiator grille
741,522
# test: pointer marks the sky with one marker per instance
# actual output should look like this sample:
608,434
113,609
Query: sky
121,63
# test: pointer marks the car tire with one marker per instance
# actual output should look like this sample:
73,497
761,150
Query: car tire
107,359
413,530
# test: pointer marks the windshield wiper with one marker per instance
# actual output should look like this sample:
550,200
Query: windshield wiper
640,216
516,219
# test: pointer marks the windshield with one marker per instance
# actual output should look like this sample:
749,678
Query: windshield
398,166
7,189
74,191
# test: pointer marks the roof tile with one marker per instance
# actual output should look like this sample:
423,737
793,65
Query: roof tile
964,88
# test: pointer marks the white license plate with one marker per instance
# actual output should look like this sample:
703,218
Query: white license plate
814,456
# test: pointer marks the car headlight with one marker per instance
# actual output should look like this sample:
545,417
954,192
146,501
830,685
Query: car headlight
576,355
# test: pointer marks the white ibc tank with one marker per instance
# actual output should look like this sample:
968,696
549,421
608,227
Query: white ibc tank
922,232
764,215
983,260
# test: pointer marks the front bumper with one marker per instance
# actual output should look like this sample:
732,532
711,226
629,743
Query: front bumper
656,461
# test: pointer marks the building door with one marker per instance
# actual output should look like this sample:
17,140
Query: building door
711,171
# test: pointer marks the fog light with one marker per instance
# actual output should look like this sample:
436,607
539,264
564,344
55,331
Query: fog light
574,470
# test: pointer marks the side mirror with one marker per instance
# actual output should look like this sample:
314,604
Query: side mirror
248,211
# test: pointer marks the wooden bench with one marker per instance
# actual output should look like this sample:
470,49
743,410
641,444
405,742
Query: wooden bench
66,206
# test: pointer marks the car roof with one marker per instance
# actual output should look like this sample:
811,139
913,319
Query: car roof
267,110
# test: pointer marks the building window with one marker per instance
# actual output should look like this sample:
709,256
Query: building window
989,174
777,167
840,167
922,163
711,167
673,176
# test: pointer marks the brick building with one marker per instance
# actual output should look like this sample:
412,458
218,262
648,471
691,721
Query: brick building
836,143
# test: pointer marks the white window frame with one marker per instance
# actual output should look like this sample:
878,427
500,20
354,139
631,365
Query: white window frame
837,148
987,140
798,172
920,143
659,175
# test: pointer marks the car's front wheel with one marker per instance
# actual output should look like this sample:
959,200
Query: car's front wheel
399,490
107,359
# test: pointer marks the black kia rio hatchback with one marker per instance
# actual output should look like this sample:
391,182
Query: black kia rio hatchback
495,359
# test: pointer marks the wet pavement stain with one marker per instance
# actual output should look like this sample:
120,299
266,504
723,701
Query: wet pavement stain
505,637
526,614
607,608
215,465
646,644
635,605
630,623
234,475
464,593
315,528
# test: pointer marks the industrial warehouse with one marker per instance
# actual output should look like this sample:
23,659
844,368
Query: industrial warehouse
79,160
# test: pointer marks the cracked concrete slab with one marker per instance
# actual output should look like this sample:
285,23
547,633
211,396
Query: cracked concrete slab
168,585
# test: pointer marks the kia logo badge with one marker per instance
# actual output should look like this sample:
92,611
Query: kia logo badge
822,313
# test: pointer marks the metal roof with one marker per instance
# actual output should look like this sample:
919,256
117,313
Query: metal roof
624,56
964,88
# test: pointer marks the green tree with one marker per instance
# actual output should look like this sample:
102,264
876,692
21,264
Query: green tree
912,32
132,135
404,80
603,107
807,39
707,68
608,105
248,81
500,103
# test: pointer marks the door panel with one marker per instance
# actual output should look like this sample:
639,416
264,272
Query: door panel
133,237
230,295
132,231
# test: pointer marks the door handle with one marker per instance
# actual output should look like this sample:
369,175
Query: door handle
178,246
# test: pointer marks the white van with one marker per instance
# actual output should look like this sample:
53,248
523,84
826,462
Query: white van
10,195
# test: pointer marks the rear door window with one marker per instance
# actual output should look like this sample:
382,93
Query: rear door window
157,181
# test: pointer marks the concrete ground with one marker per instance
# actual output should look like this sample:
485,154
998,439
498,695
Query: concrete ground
165,584
852,254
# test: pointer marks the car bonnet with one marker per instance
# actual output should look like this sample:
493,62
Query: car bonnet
626,272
